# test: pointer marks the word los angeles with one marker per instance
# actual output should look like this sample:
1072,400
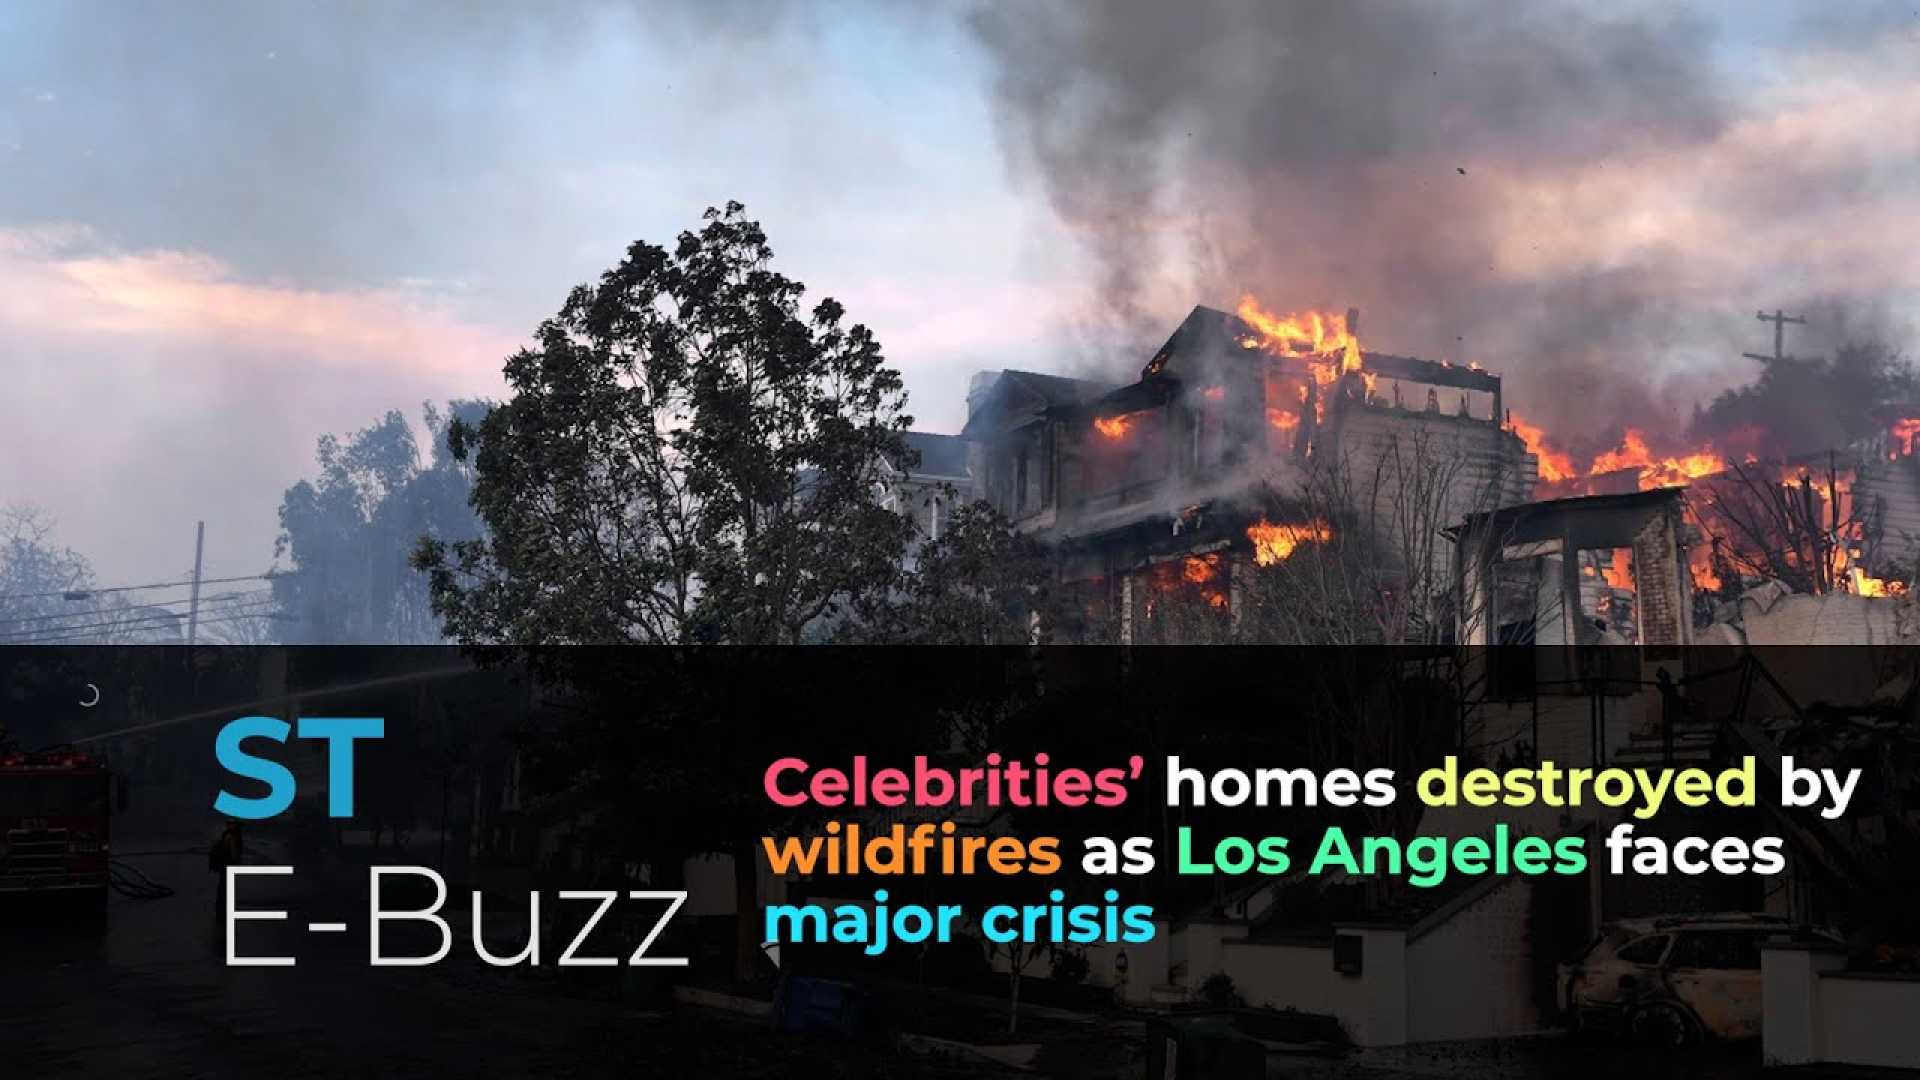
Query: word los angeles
1427,860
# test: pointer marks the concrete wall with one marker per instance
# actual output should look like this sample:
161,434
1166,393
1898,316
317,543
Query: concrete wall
1565,725
1817,1012
1279,975
1372,1005
1468,977
1869,1020
1471,977
1837,619
1201,947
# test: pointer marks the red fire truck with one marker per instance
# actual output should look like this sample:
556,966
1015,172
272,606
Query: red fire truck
54,813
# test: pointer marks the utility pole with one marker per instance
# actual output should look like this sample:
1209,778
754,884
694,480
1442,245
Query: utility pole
193,602
1779,319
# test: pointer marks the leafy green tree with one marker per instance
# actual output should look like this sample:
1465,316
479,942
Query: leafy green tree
686,456
1811,404
349,533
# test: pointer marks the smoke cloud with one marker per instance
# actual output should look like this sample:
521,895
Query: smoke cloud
1576,196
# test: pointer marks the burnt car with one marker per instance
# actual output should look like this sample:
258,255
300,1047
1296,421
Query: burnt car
1675,980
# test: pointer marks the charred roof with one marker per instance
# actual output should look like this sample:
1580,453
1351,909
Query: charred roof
1208,335
1025,393
940,455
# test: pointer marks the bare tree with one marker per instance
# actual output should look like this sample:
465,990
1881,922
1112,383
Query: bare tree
36,573
1362,553
1365,556
1799,525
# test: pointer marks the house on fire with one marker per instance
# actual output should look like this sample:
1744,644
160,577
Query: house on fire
1234,447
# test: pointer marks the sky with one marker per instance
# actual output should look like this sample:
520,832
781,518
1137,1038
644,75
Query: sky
229,228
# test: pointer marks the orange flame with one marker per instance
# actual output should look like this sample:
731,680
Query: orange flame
1281,419
1113,427
1555,465
1900,434
1307,333
1276,543
1873,586
1619,574
1633,453
1822,494
1700,568
1203,571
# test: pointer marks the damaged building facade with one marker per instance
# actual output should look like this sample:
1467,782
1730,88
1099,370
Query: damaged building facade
1249,441
1240,446
1250,448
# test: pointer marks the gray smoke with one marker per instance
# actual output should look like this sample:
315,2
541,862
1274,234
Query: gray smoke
1368,153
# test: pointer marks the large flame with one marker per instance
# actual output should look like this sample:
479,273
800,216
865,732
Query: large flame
1114,427
1655,471
1863,585
1822,496
1194,576
1556,466
1306,333
1700,567
1900,437
1276,543
1634,454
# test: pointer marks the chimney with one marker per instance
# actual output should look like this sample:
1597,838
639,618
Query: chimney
978,388
1353,321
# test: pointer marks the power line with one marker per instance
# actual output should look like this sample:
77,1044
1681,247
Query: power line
78,638
87,612
268,576
137,621
131,610
56,633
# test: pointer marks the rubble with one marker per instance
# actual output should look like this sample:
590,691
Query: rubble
1772,614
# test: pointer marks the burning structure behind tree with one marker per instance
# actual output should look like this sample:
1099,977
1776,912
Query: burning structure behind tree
1266,478
1257,458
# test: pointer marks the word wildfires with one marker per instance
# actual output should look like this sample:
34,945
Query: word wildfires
923,849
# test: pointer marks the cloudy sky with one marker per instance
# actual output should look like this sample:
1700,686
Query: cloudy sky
228,228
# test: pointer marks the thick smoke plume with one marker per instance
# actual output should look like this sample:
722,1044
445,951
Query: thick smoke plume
1570,195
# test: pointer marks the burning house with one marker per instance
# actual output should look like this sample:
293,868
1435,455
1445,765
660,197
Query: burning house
1255,449
1247,439
1837,531
1391,490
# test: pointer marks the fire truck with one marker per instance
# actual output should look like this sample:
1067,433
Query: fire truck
54,814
